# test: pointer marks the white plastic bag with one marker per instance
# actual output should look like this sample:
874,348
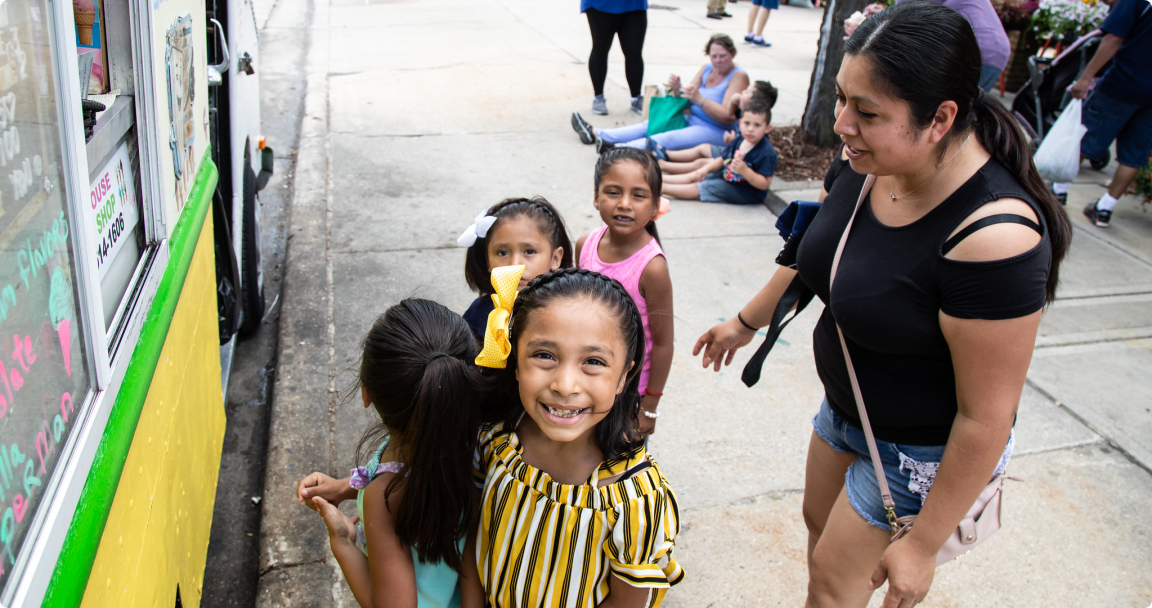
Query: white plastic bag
1058,158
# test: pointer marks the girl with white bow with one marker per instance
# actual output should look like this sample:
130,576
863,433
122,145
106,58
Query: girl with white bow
513,232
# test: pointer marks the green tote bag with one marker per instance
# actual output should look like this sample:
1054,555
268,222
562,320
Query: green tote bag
666,114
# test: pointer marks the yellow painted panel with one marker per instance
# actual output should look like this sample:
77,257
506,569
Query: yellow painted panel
157,532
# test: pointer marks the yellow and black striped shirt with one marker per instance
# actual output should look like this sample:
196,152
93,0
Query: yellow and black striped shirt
547,544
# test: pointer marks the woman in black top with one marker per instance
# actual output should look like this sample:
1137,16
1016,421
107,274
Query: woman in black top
939,292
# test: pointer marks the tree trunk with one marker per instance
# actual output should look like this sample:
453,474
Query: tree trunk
819,114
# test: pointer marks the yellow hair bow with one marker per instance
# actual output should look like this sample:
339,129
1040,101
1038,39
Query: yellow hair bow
497,347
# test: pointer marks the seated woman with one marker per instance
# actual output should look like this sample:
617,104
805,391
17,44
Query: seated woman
712,91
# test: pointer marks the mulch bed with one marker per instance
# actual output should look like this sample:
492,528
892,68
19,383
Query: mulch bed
797,160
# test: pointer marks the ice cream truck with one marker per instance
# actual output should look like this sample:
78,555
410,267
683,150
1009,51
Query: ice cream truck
131,162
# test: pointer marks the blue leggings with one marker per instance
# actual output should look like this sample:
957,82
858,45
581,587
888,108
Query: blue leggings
698,131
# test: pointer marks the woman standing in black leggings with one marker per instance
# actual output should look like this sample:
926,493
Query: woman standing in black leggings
607,19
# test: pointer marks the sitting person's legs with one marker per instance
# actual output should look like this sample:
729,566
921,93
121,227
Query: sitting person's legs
630,134
677,168
684,192
691,154
697,132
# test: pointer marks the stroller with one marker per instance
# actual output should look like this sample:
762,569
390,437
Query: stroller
1039,102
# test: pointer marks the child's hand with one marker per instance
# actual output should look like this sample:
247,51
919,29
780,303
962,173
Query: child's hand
333,491
729,136
699,175
738,165
646,425
340,526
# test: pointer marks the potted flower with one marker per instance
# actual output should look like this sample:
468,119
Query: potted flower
1063,21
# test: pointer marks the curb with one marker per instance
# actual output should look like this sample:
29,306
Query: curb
295,565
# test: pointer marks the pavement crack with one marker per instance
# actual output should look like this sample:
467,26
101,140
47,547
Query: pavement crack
286,566
749,500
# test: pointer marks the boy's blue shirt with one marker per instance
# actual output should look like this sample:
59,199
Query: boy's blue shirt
760,159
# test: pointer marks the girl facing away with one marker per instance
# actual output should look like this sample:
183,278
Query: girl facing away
515,231
415,497
574,512
627,185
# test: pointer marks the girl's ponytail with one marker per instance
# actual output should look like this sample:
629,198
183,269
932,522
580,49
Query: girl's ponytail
439,504
416,366
1001,135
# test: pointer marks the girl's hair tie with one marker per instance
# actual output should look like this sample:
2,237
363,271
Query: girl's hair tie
434,356
478,229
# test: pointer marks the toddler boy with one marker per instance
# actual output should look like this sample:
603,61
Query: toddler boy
740,175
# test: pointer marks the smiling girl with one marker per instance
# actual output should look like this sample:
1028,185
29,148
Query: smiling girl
525,232
574,512
627,194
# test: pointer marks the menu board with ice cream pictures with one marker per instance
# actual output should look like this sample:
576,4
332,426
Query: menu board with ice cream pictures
43,372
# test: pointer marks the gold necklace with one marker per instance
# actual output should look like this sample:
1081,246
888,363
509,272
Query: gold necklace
893,194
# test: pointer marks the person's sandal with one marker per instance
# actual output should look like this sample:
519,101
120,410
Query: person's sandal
583,129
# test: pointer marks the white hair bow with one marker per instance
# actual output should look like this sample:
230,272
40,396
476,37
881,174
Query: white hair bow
478,229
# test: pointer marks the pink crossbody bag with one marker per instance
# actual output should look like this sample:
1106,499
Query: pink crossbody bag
984,517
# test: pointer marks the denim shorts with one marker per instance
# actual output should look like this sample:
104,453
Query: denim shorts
772,4
910,469
1109,119
716,189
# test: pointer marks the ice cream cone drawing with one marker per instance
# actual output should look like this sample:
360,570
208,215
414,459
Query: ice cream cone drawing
85,13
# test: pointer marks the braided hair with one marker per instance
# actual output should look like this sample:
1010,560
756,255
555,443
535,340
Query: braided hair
476,270
616,433
647,162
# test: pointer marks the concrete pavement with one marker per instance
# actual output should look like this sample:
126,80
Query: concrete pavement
420,113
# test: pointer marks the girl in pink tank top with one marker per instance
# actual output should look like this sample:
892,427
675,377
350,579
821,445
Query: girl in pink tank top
628,184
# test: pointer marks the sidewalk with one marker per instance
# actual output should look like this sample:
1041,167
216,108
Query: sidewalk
420,114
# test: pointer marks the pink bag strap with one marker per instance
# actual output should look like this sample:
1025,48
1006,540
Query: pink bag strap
885,492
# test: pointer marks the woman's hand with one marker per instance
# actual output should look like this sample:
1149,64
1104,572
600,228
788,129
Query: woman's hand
720,343
729,136
674,84
340,526
909,569
333,491
694,94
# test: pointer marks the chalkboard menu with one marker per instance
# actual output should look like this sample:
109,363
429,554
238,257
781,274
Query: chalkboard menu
43,373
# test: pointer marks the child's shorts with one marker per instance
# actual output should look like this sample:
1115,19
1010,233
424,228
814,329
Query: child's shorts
910,469
715,189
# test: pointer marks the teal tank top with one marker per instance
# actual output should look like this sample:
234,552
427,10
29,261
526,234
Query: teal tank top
437,585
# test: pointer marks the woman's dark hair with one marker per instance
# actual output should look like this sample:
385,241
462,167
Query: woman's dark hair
650,166
723,40
926,54
476,270
757,106
616,433
417,366
766,92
